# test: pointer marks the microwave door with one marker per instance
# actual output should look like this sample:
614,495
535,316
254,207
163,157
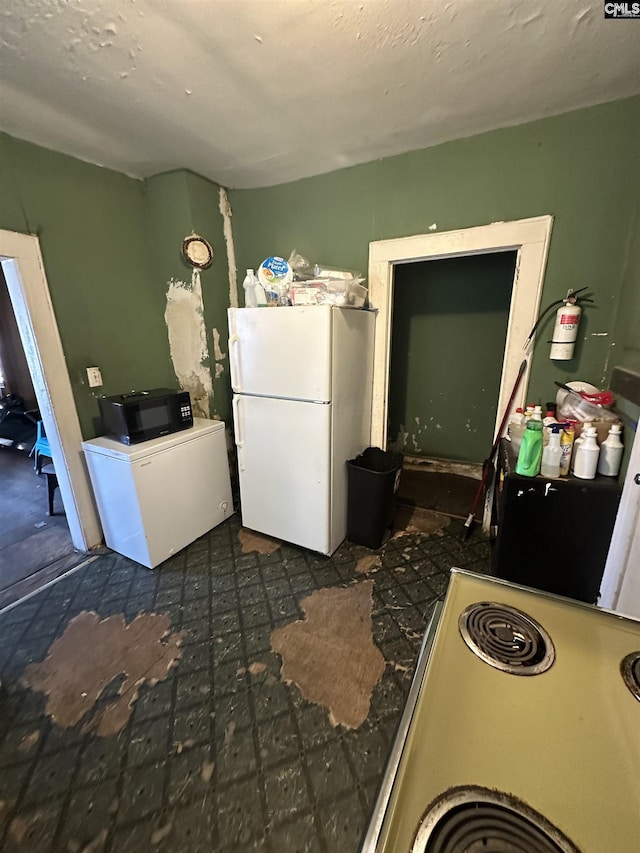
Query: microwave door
150,419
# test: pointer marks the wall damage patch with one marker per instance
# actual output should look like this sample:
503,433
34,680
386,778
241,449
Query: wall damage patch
184,316
226,213
218,355
91,653
331,655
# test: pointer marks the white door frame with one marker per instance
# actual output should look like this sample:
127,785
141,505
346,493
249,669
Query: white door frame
529,237
620,589
29,293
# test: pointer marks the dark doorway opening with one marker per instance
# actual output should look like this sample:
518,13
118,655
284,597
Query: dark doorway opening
34,546
450,319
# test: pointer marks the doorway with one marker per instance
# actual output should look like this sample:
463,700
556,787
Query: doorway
29,294
30,540
33,544
528,238
449,330
528,241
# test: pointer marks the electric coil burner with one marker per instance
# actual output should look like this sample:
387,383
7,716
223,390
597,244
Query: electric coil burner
630,669
477,820
506,638
487,763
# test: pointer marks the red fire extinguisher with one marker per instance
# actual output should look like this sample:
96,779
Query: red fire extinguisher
565,331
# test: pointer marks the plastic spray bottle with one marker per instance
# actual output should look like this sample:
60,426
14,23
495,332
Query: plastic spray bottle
566,444
552,454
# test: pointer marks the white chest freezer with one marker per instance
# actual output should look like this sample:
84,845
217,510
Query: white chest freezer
156,497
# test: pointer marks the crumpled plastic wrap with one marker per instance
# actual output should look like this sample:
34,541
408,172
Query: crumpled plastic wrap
318,284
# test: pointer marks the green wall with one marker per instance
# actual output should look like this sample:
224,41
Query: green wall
92,232
444,311
627,332
581,167
109,247
110,243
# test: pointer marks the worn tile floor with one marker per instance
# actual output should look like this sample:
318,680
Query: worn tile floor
214,758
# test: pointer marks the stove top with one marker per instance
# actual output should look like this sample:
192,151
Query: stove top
521,732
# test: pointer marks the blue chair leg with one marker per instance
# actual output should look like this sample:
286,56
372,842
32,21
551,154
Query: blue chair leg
38,465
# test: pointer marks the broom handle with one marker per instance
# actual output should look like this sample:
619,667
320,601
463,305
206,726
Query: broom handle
487,462
507,411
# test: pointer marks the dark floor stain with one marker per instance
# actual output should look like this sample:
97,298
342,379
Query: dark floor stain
418,520
331,655
368,564
90,654
252,541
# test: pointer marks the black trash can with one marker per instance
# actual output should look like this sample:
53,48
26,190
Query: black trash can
373,481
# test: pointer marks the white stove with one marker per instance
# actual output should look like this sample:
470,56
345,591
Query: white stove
521,732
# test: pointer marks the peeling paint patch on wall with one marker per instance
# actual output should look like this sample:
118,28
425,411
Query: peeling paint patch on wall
218,355
184,316
225,210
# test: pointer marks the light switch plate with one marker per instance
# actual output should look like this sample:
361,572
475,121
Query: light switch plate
94,376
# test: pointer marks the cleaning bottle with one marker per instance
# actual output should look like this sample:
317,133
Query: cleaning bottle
530,456
516,429
566,444
579,439
549,418
517,417
249,285
586,461
261,296
551,454
611,452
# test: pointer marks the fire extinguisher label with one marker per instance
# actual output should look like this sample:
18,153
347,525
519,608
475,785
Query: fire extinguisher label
569,321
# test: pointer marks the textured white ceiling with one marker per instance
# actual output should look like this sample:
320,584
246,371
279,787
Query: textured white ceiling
258,92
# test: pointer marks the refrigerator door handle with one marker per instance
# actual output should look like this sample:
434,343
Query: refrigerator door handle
234,361
235,403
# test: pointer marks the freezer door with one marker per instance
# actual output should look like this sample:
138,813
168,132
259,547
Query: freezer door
284,470
284,352
183,492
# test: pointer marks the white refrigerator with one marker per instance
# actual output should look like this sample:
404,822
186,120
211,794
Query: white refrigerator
302,379
156,497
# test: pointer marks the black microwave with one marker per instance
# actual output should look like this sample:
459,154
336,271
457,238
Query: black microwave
143,415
